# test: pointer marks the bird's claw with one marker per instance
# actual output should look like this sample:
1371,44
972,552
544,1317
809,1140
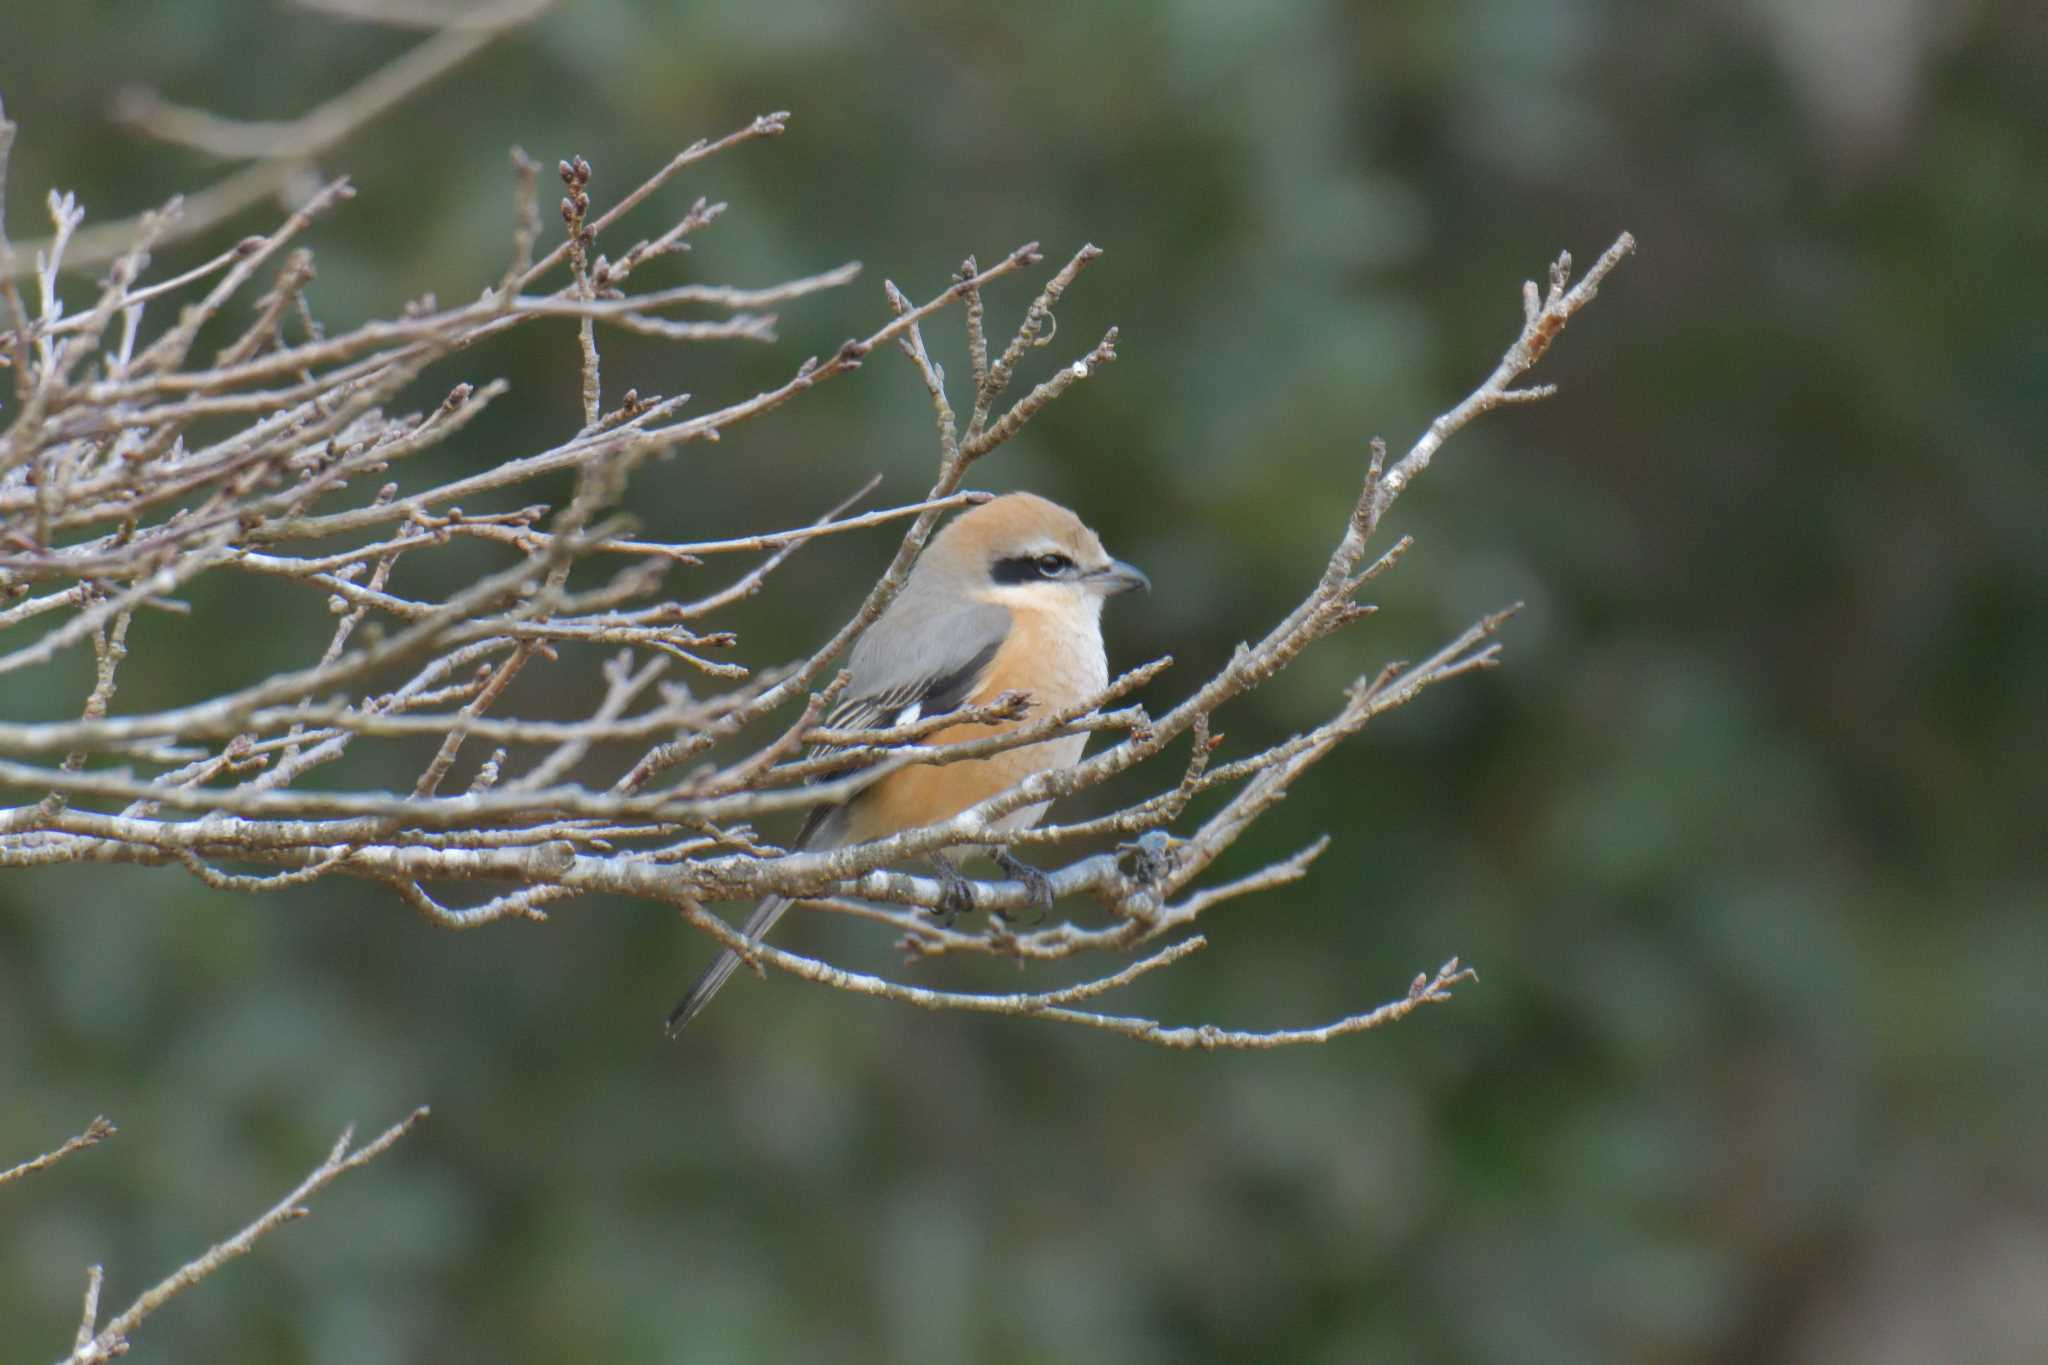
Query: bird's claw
1035,882
956,895
1148,855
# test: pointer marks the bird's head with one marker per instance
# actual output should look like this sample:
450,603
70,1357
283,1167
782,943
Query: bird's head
1022,551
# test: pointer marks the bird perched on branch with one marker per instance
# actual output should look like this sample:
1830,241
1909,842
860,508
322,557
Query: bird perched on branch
1008,597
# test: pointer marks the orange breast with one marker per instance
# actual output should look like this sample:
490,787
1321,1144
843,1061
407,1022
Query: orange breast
1059,662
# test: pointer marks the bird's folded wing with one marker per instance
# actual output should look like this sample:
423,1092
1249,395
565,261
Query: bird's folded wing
932,671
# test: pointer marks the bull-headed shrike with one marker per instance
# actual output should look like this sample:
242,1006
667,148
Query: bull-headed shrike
1008,597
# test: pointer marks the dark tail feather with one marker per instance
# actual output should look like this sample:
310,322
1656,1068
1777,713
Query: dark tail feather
724,965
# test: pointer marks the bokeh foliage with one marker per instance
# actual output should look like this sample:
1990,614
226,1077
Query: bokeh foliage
1737,839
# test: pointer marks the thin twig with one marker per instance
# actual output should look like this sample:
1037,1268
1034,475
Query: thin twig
96,1132
114,1338
133,469
282,151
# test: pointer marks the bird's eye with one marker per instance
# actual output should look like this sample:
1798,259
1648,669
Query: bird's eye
1053,565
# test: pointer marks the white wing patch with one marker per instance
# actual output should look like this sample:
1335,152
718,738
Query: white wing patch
915,700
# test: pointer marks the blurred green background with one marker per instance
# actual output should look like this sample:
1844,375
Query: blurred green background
1737,839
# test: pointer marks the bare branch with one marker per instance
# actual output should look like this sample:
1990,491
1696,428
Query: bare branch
96,1132
114,1339
89,1310
1426,989
282,151
132,469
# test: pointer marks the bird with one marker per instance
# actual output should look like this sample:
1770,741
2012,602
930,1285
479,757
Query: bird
1008,596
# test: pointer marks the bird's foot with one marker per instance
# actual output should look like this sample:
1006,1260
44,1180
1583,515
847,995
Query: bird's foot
956,893
1035,881
1149,856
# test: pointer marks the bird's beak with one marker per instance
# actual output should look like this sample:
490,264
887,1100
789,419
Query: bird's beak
1118,577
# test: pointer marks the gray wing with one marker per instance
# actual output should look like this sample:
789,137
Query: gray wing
894,683
934,672
899,675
